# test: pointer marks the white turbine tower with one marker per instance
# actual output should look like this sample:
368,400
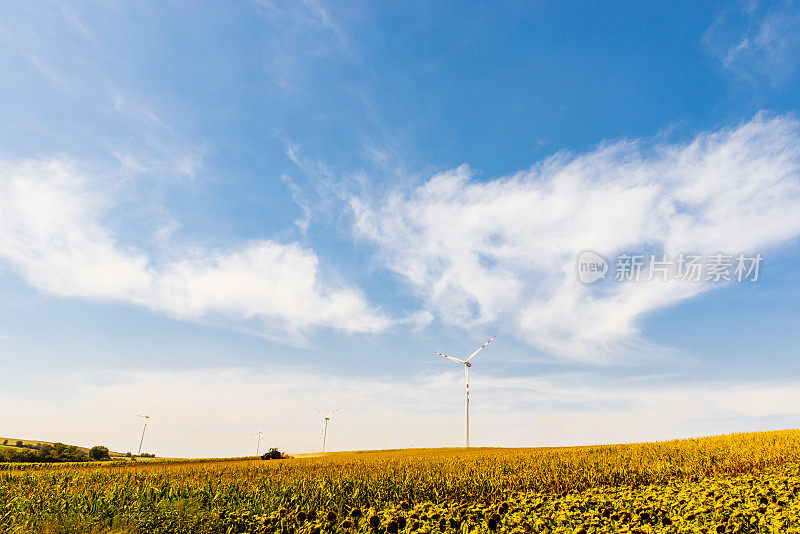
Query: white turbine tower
259,434
467,365
325,418
146,420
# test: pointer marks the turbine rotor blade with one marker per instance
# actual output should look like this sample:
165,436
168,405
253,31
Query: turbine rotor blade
450,357
479,349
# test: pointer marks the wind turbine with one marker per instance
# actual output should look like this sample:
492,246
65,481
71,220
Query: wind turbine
326,418
146,420
467,365
259,434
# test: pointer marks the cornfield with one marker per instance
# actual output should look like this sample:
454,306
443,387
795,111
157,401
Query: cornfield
735,483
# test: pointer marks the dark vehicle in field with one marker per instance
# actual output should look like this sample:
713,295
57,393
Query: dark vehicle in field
272,454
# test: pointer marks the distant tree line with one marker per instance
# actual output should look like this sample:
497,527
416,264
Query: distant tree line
47,453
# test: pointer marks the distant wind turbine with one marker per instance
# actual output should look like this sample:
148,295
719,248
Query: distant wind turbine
146,419
259,434
467,365
326,418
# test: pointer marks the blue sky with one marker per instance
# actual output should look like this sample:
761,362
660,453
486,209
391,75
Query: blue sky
241,212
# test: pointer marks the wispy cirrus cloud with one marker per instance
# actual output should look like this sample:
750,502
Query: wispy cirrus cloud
757,43
302,35
52,233
502,251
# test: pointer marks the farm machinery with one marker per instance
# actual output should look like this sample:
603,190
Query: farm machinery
272,454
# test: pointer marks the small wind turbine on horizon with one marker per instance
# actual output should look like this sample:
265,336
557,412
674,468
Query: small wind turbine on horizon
467,365
259,434
146,420
325,418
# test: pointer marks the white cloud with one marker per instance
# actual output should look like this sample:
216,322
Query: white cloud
211,412
502,251
273,281
52,234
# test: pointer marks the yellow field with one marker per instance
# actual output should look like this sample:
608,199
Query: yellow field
736,483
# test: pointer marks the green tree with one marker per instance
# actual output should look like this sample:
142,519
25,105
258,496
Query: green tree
99,452
19,444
